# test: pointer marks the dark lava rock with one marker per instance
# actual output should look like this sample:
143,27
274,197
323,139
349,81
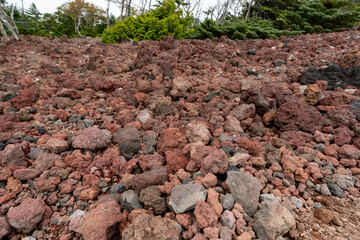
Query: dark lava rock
335,75
128,140
293,116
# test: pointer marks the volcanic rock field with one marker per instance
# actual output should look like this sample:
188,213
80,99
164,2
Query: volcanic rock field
181,139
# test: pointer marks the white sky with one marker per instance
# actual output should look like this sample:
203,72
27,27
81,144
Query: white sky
50,6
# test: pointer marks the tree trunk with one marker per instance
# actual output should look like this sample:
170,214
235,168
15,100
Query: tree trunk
12,19
107,13
128,8
77,26
5,19
3,32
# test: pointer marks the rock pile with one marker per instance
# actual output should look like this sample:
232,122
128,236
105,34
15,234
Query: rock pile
213,139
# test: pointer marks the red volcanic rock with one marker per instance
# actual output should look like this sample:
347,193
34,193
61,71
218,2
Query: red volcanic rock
26,173
348,152
5,227
57,145
92,138
340,116
293,116
205,215
26,216
342,135
98,224
13,154
175,161
170,139
216,162
148,162
25,98
149,178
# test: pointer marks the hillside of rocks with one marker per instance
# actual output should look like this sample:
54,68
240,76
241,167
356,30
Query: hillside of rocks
181,139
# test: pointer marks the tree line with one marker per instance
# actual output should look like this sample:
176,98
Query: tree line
148,19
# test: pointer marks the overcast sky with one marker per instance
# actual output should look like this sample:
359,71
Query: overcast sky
50,6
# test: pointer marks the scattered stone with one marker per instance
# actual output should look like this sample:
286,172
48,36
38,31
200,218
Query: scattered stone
272,220
151,198
227,201
128,140
149,178
13,154
243,111
5,227
205,215
99,223
245,189
323,215
184,197
145,226
130,200
92,138
228,219
27,215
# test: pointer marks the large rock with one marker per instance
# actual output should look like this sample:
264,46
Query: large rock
25,216
129,141
13,154
145,226
149,178
294,116
184,197
92,138
180,87
243,111
272,220
245,189
98,224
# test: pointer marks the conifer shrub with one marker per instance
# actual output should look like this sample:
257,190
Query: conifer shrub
166,19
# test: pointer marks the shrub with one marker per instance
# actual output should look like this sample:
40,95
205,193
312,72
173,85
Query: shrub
239,29
166,19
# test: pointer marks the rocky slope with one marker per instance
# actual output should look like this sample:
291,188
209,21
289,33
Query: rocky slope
183,139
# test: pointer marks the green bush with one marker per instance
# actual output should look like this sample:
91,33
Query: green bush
319,16
167,19
239,29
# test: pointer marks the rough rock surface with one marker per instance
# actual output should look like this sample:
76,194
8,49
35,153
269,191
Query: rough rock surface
145,226
83,124
25,216
92,139
245,189
185,197
272,220
99,223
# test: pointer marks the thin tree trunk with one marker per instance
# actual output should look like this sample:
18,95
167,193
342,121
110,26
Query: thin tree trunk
77,26
5,19
3,32
248,11
107,13
122,9
12,19
128,9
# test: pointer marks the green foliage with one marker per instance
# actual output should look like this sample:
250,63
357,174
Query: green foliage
240,29
273,18
166,19
319,16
